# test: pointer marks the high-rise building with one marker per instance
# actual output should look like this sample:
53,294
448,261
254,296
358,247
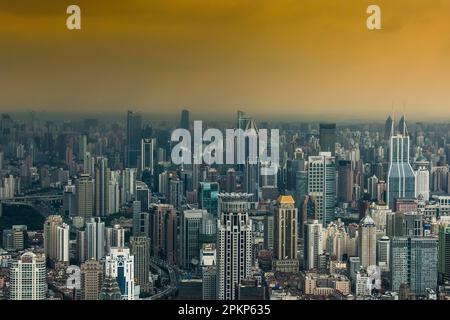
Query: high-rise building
140,249
231,180
367,242
119,264
134,135
413,224
422,178
110,289
208,197
102,177
85,196
372,183
147,155
14,239
141,224
190,230
115,237
56,240
345,181
234,244
176,193
327,137
383,252
27,277
322,185
143,195
444,252
286,234
95,239
209,271
401,178
184,122
313,244
163,232
91,275
413,262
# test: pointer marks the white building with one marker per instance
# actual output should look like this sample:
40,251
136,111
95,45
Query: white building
234,244
313,244
120,265
95,237
27,277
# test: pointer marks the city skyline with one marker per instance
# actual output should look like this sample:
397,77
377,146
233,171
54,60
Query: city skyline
281,59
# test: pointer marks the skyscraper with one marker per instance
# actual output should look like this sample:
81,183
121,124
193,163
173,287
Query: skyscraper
27,276
234,244
163,232
56,240
102,177
322,185
134,132
95,239
140,249
91,275
147,156
444,251
327,137
383,253
414,263
313,244
119,264
85,196
115,237
141,224
143,195
190,229
401,178
208,197
345,181
184,122
285,237
367,242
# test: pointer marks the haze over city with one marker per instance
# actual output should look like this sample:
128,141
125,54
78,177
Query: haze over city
310,59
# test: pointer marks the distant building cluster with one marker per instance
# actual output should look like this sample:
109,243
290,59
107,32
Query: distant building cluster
94,209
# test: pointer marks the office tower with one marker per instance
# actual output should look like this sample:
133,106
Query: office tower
383,252
91,275
367,242
209,271
88,164
184,122
422,182
372,184
14,239
27,277
231,180
69,200
269,231
444,252
95,239
147,155
234,244
115,237
412,224
285,237
102,177
163,232
128,185
401,178
301,185
413,262
388,128
313,244
252,179
119,264
439,178
141,224
81,246
190,230
85,196
140,249
208,197
56,240
322,185
176,193
113,205
345,181
134,132
143,195
327,137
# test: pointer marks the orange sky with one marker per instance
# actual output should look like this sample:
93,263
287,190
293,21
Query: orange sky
290,58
